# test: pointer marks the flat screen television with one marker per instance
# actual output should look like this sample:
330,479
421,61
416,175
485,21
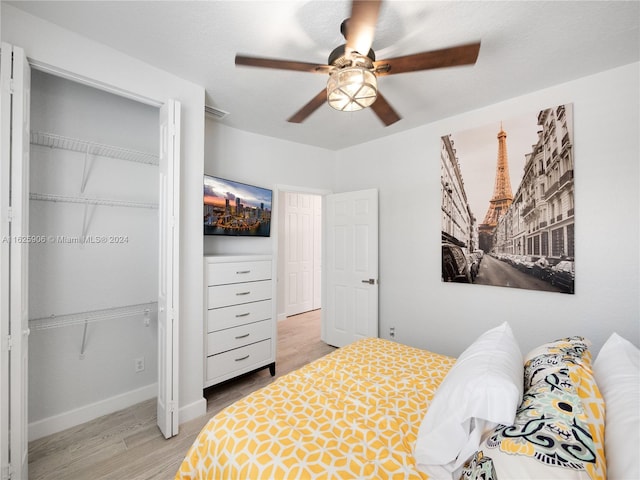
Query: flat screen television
236,209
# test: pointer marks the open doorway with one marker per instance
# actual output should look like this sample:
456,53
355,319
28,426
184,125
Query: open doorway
101,190
82,230
93,282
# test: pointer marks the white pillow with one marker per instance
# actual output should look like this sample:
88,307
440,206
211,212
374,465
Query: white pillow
482,390
617,373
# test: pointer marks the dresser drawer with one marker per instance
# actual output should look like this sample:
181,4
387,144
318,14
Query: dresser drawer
227,317
231,338
241,359
225,295
236,272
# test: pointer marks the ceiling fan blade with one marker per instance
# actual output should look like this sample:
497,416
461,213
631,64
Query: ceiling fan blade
281,64
361,26
315,103
384,110
446,57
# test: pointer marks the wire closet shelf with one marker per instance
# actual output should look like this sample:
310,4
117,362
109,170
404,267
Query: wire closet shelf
88,317
92,316
52,140
49,197
90,150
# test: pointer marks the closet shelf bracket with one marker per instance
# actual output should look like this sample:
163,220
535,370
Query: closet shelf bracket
85,223
84,339
88,164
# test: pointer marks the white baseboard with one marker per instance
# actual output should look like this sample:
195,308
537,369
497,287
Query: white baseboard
62,421
282,316
193,410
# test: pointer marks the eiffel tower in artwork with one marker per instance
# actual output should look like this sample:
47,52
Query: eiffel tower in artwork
502,195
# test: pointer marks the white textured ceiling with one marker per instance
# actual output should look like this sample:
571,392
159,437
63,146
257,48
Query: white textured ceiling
526,46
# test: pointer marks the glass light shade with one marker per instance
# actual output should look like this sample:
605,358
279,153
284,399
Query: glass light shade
352,88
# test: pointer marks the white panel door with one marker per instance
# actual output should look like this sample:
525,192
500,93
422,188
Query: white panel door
14,262
299,251
351,267
168,275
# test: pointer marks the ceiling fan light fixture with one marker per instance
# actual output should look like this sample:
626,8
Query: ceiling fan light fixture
351,88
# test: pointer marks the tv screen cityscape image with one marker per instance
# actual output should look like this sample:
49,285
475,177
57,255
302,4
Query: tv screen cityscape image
236,209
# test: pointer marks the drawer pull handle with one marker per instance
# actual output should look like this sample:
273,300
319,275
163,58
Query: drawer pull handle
243,315
242,358
242,336
243,293
242,272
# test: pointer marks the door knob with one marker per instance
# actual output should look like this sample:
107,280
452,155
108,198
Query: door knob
371,281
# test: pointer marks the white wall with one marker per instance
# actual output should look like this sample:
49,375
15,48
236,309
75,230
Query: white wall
266,162
447,317
46,43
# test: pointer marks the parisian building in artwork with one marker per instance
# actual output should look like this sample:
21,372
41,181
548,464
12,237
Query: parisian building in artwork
540,220
458,223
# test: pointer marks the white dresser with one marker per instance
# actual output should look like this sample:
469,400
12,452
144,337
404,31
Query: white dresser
239,318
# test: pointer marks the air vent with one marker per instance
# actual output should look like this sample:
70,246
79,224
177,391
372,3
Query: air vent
215,113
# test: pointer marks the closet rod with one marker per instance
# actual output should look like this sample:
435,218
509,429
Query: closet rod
52,140
91,201
69,319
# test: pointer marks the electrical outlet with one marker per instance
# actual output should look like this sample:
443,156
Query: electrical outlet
392,332
139,364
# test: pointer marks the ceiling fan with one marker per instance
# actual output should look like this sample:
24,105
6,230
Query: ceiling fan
353,68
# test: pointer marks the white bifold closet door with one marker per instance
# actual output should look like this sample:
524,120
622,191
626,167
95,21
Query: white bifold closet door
14,262
168,277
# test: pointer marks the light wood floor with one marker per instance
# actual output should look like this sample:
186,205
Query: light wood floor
128,445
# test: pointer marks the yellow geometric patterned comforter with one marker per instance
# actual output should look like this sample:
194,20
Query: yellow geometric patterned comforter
354,413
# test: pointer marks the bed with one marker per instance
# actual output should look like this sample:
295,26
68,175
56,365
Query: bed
351,414
377,409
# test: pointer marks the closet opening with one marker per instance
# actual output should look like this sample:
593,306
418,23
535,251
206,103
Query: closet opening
93,273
